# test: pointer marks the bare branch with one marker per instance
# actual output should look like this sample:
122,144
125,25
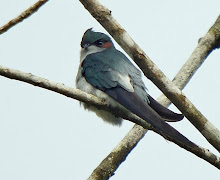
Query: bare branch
109,165
151,71
205,46
74,94
118,155
31,10
99,103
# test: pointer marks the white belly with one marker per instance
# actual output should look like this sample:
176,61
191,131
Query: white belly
83,85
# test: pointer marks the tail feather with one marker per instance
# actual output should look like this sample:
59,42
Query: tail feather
134,103
165,113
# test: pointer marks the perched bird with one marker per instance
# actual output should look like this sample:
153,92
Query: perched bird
107,73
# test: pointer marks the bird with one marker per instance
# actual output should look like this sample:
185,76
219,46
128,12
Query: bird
107,73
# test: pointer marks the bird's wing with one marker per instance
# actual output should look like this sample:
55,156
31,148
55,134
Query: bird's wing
101,76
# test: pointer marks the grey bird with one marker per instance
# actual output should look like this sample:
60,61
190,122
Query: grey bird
107,73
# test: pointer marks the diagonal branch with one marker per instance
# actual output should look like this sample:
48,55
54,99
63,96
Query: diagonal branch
151,71
110,164
25,14
99,103
205,46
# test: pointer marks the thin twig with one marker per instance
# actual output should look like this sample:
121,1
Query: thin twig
151,71
99,103
25,14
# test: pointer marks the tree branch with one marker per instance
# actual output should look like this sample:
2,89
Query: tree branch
25,14
101,104
205,46
109,165
74,94
151,71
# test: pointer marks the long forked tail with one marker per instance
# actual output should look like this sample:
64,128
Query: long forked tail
136,105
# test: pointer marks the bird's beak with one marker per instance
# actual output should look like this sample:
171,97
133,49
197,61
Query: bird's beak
85,46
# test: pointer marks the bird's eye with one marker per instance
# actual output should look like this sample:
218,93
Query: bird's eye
99,43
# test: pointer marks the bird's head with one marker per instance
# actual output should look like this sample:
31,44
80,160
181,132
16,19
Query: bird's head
93,42
98,39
